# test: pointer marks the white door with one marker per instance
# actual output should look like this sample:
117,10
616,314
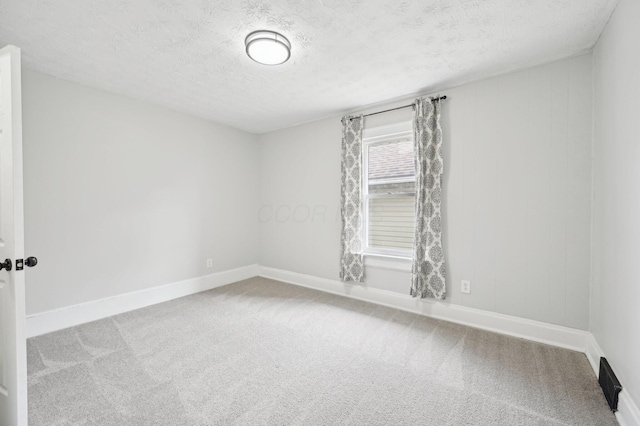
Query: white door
13,343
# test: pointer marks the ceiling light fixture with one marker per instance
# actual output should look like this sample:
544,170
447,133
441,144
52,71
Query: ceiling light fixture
268,47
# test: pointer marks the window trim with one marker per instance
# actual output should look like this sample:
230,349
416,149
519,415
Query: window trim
375,136
388,262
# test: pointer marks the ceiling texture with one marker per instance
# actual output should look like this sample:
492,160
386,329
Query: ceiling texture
189,55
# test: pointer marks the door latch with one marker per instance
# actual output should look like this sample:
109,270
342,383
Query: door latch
30,262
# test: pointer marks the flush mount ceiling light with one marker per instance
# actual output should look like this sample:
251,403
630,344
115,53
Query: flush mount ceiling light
268,47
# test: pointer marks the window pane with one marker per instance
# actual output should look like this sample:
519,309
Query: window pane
391,160
392,222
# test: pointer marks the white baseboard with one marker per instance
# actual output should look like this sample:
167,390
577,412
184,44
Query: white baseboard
542,332
58,319
594,352
628,413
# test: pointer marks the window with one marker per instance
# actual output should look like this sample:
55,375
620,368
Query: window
389,190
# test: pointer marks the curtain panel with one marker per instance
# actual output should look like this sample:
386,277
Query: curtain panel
351,257
428,268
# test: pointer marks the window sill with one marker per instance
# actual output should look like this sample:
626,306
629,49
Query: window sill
383,261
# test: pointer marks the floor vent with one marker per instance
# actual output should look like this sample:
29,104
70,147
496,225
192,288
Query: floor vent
609,384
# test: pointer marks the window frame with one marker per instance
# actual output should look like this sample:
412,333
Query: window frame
376,136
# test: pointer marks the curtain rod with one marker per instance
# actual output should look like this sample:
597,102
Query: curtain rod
439,98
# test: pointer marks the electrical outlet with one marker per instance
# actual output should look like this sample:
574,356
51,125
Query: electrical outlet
209,263
465,286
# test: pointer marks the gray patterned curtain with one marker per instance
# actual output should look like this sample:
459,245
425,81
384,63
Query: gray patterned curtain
428,269
351,258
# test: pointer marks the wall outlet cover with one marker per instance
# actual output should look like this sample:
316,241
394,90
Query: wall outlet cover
465,286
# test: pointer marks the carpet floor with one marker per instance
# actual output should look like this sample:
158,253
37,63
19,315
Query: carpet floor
261,352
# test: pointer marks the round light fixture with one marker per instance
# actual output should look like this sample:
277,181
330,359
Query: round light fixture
268,47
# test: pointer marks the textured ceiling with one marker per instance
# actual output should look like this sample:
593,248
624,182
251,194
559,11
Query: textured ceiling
189,55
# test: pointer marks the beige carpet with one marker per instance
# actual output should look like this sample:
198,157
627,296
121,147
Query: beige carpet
260,352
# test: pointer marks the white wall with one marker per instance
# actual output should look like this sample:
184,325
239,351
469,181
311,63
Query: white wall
121,195
517,205
615,300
